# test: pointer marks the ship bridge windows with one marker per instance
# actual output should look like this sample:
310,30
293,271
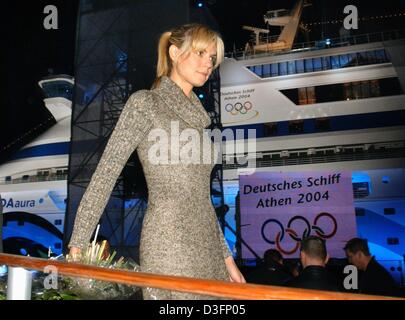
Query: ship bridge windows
344,91
53,89
320,63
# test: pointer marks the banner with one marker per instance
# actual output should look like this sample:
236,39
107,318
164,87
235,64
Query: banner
279,209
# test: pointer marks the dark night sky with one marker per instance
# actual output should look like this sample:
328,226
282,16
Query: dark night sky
31,50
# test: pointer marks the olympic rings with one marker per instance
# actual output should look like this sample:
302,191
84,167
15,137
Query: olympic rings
281,228
279,236
306,232
238,108
319,231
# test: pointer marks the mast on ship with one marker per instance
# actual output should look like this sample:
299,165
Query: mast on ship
281,17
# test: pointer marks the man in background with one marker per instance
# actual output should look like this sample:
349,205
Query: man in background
314,257
272,272
374,279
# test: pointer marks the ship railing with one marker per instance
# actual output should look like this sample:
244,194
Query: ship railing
29,179
342,41
314,159
214,288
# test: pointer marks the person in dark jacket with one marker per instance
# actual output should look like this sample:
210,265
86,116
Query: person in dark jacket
374,279
314,258
272,272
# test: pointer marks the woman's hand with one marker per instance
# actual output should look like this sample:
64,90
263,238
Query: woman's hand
234,274
74,253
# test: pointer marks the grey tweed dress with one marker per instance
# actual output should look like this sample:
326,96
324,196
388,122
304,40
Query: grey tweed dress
180,232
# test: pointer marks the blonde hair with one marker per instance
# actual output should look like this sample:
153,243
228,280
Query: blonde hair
189,37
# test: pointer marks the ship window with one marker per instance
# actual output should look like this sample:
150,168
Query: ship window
252,68
344,60
362,58
374,88
371,57
344,91
274,69
270,129
282,70
335,62
296,126
299,66
326,63
58,89
322,124
381,56
356,89
58,222
302,96
347,91
308,65
257,70
266,71
8,178
365,89
317,62
320,63
291,67
352,60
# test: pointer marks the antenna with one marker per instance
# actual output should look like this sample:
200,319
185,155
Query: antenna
256,31
288,20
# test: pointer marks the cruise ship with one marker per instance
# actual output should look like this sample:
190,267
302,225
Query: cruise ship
319,106
33,183
334,104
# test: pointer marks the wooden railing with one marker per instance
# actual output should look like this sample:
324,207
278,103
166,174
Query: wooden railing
215,288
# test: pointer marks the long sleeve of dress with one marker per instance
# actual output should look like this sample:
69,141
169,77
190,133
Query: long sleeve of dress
134,123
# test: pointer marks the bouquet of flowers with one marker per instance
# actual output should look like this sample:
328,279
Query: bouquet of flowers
90,289
95,254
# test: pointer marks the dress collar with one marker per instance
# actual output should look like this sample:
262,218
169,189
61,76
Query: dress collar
189,109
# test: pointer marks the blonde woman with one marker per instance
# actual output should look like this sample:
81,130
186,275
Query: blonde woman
180,233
